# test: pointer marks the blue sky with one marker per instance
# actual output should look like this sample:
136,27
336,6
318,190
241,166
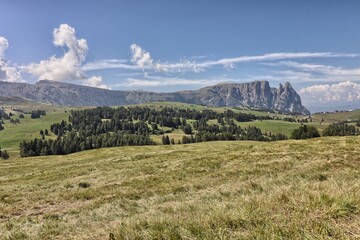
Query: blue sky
175,45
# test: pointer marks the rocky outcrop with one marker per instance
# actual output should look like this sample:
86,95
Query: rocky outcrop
257,94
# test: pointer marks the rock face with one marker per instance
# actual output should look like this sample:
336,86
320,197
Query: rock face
257,94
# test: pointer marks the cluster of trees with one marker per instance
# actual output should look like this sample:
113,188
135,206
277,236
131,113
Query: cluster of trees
168,117
4,115
226,134
14,121
74,142
90,129
167,141
340,129
304,132
334,129
291,119
37,113
4,154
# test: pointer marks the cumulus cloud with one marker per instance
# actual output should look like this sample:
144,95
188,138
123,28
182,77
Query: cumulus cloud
66,67
341,92
140,57
69,66
8,72
95,81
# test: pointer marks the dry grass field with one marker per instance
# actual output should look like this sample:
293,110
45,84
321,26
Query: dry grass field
215,190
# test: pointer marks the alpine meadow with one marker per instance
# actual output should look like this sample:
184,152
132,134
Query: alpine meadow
179,120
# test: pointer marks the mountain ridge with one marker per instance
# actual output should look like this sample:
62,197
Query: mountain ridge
256,94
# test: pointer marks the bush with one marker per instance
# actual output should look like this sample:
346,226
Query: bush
340,129
84,185
304,132
4,154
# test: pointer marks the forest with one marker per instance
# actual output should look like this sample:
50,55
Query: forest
133,126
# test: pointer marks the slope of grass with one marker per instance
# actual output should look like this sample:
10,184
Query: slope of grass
214,190
273,126
28,128
337,116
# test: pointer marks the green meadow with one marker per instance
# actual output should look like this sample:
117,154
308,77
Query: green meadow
28,128
306,189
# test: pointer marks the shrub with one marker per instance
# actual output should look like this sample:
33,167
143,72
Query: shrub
340,129
84,185
304,132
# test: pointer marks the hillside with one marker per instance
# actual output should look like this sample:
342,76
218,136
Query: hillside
28,128
256,94
213,190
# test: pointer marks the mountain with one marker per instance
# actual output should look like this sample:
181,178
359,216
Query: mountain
257,94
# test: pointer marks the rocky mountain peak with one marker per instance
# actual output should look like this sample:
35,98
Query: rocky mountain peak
257,94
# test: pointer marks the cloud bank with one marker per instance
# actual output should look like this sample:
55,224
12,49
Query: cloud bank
330,93
8,72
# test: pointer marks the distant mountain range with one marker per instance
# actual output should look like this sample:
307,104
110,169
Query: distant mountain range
257,94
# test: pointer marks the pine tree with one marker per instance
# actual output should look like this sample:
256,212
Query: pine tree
4,154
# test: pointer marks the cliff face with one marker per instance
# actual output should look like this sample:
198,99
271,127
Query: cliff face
256,94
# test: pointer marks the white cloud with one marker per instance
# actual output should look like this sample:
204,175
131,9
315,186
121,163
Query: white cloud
8,72
66,67
307,72
69,66
142,60
108,64
274,56
321,69
95,81
165,81
140,57
327,93
4,44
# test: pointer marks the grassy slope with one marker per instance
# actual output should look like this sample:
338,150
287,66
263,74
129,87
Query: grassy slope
28,128
337,116
215,190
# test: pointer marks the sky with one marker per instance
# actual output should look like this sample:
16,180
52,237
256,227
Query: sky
171,45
